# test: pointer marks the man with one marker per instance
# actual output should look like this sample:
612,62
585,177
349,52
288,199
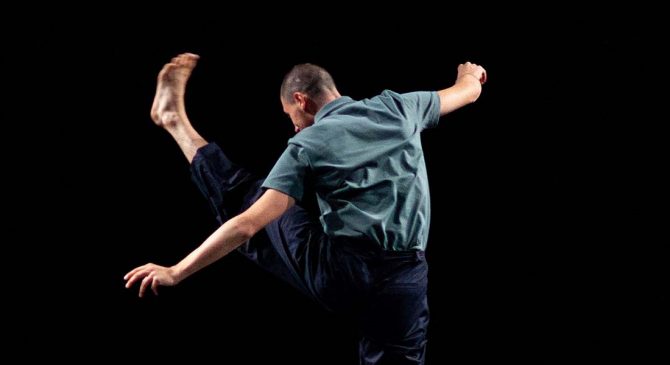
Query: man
364,162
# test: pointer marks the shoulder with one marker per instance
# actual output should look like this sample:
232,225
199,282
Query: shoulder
307,138
388,94
395,98
387,99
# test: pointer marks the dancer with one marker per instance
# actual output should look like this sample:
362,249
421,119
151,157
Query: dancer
363,253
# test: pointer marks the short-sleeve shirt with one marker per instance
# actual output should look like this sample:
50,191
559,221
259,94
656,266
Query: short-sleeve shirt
364,161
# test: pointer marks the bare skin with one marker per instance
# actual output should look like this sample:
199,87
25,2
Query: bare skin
168,110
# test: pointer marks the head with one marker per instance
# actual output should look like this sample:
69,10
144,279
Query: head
304,91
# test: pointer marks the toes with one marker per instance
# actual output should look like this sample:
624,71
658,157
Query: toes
192,56
188,59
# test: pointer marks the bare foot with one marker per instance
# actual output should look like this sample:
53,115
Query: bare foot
168,109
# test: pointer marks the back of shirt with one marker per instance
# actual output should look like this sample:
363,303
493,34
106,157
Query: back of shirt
365,161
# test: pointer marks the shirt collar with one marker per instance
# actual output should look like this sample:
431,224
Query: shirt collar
331,107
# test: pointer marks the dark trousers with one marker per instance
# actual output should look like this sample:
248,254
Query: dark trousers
385,292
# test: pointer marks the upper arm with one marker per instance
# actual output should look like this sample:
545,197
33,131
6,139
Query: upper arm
290,172
284,185
270,206
422,105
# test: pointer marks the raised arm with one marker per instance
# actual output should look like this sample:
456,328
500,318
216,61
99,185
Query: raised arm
270,206
465,90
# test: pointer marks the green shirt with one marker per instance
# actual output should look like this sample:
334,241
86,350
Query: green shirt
365,162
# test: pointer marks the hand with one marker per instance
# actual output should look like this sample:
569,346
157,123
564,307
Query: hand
153,275
472,69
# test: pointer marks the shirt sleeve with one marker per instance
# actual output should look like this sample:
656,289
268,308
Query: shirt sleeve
288,174
425,105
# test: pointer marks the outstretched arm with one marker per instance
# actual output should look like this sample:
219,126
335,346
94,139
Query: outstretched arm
465,90
225,239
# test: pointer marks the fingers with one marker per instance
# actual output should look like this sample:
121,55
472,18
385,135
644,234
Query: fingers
133,279
133,271
147,280
149,274
137,274
474,69
154,285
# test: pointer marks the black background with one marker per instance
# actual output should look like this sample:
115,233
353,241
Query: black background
540,247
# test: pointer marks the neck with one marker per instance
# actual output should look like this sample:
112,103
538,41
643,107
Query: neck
327,98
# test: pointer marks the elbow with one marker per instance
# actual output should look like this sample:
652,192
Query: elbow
247,231
244,228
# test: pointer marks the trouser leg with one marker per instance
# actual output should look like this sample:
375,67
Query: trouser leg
395,317
228,188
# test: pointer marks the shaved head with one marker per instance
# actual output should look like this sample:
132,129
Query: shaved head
306,78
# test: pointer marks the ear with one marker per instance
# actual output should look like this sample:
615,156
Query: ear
300,99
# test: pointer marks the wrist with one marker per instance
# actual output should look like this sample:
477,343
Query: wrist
177,273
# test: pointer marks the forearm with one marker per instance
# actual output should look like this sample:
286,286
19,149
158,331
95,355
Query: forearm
234,233
465,91
225,239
